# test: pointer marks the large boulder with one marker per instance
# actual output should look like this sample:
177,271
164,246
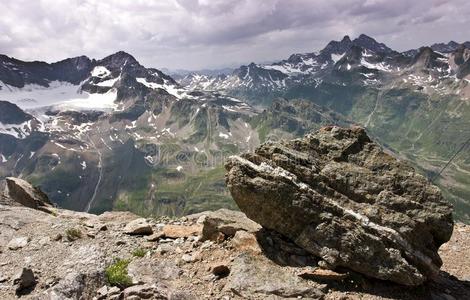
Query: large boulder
24,193
336,194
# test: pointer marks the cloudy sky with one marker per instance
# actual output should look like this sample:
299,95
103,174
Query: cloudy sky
194,34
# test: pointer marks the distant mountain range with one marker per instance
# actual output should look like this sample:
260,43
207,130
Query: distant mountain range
113,134
365,58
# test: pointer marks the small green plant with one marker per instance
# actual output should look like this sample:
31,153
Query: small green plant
139,252
73,234
116,274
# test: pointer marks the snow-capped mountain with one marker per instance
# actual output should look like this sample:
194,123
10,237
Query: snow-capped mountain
93,132
363,59
79,83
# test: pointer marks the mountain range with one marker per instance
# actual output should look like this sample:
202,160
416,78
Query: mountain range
106,134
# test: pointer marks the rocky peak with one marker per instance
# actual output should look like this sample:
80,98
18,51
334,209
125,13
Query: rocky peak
118,60
428,59
346,39
445,48
73,70
335,47
369,43
258,74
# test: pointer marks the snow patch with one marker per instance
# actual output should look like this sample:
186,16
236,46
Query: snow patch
109,82
336,57
223,135
100,72
19,131
59,94
378,66
170,89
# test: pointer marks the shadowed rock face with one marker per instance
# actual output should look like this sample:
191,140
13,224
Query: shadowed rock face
24,193
339,196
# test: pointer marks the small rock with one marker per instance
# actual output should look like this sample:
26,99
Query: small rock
245,241
3,278
102,292
24,281
57,237
181,231
165,248
188,258
89,224
138,227
220,271
207,245
144,291
18,243
178,241
322,274
114,290
155,236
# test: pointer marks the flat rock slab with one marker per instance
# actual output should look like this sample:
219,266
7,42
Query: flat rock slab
181,231
138,227
336,194
250,276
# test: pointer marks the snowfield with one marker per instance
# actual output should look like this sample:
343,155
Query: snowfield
59,94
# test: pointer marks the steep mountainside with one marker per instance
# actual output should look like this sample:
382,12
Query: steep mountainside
122,136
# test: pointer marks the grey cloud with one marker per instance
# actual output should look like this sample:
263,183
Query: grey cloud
214,33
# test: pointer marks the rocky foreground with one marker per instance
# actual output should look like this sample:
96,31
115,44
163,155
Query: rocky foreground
213,255
59,254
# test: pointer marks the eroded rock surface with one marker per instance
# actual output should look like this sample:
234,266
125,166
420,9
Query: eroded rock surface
336,194
24,193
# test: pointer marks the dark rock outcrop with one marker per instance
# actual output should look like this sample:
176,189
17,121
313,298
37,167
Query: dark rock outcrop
11,114
24,193
336,194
